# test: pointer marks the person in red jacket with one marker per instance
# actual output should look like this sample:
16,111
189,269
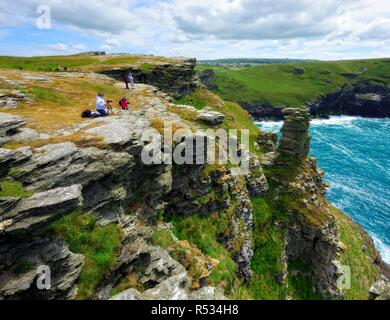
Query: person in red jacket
124,104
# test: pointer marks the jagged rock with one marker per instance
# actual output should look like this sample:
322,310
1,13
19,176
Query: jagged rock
295,140
151,265
177,80
257,183
268,159
207,77
38,210
19,263
210,117
380,290
174,288
8,124
6,204
268,140
9,158
59,165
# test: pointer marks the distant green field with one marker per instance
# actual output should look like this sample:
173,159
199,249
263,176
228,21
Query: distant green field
279,85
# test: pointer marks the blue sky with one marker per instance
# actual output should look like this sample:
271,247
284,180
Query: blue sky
322,29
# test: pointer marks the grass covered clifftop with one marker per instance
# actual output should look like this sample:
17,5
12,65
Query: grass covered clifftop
295,84
83,62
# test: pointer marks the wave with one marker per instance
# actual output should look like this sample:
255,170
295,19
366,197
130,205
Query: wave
383,248
334,120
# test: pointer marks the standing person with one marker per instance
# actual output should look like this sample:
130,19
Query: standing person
101,106
129,79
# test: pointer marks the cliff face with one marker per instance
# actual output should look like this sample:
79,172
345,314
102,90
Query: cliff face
361,99
176,80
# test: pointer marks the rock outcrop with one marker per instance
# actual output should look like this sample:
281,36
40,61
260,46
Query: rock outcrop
207,78
176,80
361,99
210,117
295,140
380,290
19,262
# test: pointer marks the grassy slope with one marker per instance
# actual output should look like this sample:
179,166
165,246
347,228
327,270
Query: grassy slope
79,62
277,85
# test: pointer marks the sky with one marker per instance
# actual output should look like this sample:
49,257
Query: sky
204,29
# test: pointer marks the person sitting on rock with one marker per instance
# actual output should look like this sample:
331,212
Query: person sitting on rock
129,79
124,104
102,108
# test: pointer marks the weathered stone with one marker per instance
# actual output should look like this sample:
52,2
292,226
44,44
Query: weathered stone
295,140
380,290
9,123
40,209
207,77
19,263
120,130
210,117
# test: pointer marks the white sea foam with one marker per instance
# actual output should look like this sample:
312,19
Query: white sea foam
383,248
273,126
334,120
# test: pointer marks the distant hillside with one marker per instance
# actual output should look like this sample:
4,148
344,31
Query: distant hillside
295,84
248,62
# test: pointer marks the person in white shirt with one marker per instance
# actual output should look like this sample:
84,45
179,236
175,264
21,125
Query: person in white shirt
128,78
101,106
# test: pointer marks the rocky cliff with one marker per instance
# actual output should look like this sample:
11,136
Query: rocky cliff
177,80
75,197
360,99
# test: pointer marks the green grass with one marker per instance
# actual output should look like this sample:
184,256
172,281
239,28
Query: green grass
99,245
269,244
74,62
204,233
23,267
44,63
193,100
235,116
277,85
266,261
13,189
363,272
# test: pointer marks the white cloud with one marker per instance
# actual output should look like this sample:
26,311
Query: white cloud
66,48
220,28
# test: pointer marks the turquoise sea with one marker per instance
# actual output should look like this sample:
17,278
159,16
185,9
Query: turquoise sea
355,154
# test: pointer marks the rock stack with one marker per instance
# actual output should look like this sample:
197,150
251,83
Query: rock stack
295,139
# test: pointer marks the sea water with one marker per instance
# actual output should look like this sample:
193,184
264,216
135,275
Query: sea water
355,154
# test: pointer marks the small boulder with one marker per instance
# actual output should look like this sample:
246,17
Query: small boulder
210,117
298,71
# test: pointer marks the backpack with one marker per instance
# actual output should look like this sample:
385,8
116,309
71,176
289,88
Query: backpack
87,114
